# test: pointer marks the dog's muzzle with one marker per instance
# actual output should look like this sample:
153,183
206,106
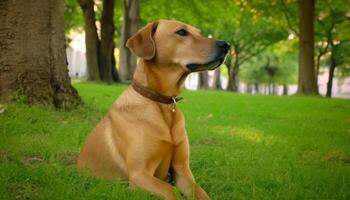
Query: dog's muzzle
223,48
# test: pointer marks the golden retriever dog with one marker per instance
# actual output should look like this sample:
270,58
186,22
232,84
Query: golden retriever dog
143,138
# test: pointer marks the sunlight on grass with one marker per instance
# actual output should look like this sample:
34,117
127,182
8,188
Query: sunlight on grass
337,155
248,133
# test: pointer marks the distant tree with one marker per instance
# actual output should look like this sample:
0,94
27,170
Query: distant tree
33,59
343,71
252,31
271,72
322,49
217,80
73,18
203,80
99,51
339,56
306,79
333,36
131,23
279,67
107,66
331,21
92,42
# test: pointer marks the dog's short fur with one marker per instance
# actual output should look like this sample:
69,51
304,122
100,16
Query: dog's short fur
141,140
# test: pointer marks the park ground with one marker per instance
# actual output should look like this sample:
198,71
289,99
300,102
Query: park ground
242,147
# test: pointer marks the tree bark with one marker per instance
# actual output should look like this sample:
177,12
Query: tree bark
131,23
330,76
249,88
274,89
91,40
306,81
256,87
317,69
203,80
233,74
115,74
106,48
285,89
321,52
217,80
270,85
33,59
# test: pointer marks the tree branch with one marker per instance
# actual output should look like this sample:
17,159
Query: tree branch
287,15
252,39
248,56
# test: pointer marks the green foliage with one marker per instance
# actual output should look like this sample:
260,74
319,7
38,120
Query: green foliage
288,10
343,71
73,17
250,26
195,12
281,57
331,24
242,147
74,20
118,21
333,27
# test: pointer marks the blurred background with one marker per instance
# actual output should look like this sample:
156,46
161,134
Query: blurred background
63,63
264,35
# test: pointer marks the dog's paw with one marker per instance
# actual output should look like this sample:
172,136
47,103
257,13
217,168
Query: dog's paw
201,194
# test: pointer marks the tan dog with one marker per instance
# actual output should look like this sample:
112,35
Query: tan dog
141,140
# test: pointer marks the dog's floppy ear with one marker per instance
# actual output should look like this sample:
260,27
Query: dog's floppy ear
142,43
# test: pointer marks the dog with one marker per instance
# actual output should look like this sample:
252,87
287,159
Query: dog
143,137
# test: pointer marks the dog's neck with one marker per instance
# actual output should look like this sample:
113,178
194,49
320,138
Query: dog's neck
166,80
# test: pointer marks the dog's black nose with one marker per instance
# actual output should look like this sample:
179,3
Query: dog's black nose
222,45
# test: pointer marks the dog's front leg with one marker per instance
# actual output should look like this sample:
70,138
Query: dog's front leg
152,184
186,183
183,174
141,166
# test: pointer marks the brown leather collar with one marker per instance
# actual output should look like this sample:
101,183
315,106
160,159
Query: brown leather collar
153,95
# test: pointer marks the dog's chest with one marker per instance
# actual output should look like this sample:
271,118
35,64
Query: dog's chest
163,167
168,115
173,131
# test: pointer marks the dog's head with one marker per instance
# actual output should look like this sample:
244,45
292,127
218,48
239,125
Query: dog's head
170,42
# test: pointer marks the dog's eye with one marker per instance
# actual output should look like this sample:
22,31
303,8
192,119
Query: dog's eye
182,32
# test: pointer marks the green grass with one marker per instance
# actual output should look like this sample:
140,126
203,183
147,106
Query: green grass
242,147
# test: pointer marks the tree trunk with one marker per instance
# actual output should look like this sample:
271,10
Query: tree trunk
256,86
33,60
270,88
265,91
321,52
285,89
217,80
115,74
307,82
274,89
249,88
131,23
203,80
106,49
233,74
330,76
91,39
317,69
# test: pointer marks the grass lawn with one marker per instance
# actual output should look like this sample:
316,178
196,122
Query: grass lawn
242,147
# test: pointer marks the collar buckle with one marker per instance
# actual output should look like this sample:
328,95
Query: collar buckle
174,103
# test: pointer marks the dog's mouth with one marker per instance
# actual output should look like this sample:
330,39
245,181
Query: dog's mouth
211,65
